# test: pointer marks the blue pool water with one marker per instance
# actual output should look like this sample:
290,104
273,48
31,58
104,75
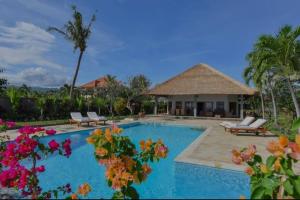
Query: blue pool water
168,179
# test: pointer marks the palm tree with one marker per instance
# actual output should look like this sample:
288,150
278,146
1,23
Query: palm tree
260,73
249,74
100,103
78,33
112,90
283,52
41,103
14,98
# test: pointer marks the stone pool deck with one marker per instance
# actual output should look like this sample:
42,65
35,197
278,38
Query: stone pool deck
212,148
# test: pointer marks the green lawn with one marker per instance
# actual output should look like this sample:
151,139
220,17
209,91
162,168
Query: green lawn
43,123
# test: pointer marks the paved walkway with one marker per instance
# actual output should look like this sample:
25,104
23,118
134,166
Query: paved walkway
214,146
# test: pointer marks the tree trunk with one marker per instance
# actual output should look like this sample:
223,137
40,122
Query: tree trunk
294,98
99,110
262,104
76,73
274,107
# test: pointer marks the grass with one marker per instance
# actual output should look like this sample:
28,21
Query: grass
43,123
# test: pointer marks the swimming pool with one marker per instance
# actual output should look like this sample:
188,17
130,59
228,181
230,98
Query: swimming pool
168,179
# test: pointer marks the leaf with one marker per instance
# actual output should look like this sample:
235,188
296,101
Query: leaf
132,193
257,158
296,124
258,193
270,161
117,195
288,187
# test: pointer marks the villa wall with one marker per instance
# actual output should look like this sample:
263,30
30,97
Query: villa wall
203,98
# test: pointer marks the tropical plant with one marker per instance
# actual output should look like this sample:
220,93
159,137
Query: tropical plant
100,103
41,103
14,98
282,53
112,91
137,87
26,147
79,103
274,178
78,33
125,166
3,82
120,106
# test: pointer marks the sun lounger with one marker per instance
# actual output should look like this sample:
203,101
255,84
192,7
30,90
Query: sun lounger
248,120
95,118
76,117
256,127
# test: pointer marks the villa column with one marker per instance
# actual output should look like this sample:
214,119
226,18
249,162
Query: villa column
173,108
155,105
195,106
167,106
242,107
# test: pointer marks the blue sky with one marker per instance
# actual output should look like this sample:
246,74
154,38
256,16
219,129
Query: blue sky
158,38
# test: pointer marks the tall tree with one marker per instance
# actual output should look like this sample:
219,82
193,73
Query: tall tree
3,82
137,86
78,33
112,90
283,52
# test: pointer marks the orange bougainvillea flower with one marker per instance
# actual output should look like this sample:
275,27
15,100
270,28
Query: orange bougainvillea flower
90,140
84,189
236,157
108,135
148,144
249,171
101,151
98,132
74,196
276,149
264,168
283,141
142,145
297,139
277,164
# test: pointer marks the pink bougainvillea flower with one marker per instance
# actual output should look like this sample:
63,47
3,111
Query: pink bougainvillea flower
40,168
10,124
53,145
50,132
295,151
67,147
27,130
38,129
248,153
2,122
236,157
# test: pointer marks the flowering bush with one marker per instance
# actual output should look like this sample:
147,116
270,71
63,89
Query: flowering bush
26,147
274,178
4,125
124,164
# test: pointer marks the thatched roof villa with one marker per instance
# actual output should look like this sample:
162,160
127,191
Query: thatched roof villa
203,91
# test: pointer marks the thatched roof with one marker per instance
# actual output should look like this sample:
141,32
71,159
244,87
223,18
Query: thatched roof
201,79
98,83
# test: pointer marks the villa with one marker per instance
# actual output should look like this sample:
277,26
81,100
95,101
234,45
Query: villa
202,91
94,84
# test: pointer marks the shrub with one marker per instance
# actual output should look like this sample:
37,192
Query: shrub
274,178
124,164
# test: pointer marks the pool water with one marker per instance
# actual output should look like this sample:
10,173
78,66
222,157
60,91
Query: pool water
168,179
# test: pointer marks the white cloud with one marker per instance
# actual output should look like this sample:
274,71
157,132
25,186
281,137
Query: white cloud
36,76
25,44
23,50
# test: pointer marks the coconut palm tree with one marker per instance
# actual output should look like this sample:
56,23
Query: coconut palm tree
14,98
41,103
282,52
78,33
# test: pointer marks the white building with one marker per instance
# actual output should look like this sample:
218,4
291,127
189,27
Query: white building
203,91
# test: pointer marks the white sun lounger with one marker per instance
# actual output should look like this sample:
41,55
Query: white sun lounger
76,117
256,127
247,121
95,118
